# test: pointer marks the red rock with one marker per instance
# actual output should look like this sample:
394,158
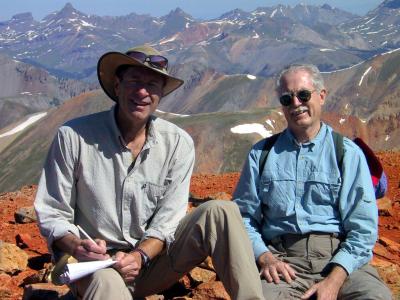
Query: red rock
12,258
202,275
385,207
5,279
5,293
220,196
185,282
207,264
46,291
154,297
24,240
381,251
211,290
390,273
25,215
389,244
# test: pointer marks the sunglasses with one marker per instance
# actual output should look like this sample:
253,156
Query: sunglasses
302,95
157,61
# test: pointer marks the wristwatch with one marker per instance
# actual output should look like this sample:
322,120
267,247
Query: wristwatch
144,256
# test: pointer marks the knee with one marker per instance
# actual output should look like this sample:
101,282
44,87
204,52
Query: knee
219,208
107,280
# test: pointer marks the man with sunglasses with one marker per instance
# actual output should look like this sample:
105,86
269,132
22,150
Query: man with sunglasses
312,228
123,176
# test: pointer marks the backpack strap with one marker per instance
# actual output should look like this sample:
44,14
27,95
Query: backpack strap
269,142
338,143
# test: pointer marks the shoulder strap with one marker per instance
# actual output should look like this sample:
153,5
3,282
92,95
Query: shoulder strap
269,142
338,142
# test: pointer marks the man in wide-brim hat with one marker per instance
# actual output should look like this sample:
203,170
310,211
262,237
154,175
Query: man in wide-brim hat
123,176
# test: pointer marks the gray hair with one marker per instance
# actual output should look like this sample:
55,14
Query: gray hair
315,74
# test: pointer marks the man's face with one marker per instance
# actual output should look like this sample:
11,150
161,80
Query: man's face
302,116
139,92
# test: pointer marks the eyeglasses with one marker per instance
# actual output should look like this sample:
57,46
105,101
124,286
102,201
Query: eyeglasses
157,61
302,95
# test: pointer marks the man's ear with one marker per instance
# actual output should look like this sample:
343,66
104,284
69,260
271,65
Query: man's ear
322,95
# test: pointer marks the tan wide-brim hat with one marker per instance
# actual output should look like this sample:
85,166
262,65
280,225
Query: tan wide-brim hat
110,61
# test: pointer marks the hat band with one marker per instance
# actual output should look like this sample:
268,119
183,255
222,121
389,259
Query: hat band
157,61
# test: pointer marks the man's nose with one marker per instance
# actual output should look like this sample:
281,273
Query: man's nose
142,90
296,101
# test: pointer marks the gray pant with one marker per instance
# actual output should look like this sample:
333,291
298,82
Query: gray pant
214,228
309,255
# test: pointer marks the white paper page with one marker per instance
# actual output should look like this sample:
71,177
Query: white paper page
76,271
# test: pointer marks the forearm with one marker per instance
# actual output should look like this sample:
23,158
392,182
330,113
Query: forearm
67,243
337,275
152,247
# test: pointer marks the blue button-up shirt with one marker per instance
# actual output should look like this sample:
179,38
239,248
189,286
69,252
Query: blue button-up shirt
300,191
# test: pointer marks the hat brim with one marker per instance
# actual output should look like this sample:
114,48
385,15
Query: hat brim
109,63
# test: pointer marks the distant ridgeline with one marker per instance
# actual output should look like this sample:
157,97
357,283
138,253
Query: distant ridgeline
228,101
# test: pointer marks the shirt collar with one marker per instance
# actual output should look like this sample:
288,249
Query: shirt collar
315,141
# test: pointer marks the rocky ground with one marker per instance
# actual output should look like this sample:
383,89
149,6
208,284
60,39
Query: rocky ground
24,259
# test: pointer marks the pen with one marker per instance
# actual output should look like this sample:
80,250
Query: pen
85,234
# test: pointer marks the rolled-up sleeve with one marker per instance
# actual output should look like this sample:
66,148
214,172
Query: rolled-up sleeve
246,197
358,211
172,207
55,198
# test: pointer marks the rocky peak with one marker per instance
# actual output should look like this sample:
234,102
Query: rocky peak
391,4
235,14
23,17
68,11
178,13
327,7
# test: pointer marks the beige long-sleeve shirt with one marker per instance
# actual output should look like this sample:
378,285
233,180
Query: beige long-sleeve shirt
89,179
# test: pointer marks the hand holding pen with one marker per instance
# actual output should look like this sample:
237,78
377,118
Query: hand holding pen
89,249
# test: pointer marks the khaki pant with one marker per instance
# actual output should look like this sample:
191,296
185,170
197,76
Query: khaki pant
309,255
215,228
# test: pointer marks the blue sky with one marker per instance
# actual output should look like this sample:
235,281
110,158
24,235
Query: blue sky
204,9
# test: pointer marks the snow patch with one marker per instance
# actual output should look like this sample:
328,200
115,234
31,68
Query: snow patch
387,138
251,77
342,120
165,40
252,128
177,115
86,24
370,20
365,73
24,125
326,50
273,13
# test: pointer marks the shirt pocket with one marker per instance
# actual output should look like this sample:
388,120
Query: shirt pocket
152,195
322,188
275,194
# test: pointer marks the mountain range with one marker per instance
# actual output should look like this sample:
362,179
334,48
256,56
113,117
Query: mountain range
26,89
69,42
223,138
228,101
